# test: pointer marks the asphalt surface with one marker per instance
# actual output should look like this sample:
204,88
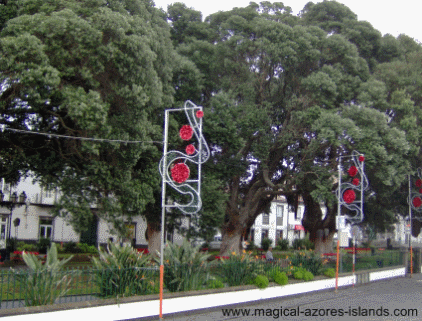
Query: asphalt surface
389,300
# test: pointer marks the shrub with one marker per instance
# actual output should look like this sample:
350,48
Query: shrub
308,276
309,260
85,248
185,267
27,247
237,269
261,281
282,245
43,244
266,243
44,282
331,273
281,278
298,275
122,272
71,247
303,244
215,284
251,246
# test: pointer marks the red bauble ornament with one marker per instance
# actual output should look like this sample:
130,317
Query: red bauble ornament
199,114
352,171
186,132
356,181
190,149
417,202
361,158
418,182
349,196
180,172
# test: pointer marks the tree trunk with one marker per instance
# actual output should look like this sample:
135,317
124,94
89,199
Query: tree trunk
231,242
154,237
324,244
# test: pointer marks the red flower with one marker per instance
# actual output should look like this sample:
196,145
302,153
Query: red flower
190,149
349,196
355,181
361,158
186,132
180,173
353,171
199,114
417,202
418,183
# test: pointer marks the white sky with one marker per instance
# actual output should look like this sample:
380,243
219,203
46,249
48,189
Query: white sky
386,16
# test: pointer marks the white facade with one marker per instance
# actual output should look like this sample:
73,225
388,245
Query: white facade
281,222
36,220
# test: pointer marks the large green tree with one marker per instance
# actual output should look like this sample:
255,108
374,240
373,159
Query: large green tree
98,69
288,96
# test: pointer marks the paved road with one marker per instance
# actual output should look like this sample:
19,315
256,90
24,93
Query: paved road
402,296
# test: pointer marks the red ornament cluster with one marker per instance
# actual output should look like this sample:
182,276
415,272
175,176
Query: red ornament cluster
353,171
180,172
417,202
349,196
356,181
186,132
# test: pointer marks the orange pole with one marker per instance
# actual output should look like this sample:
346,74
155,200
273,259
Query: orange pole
338,259
161,290
411,261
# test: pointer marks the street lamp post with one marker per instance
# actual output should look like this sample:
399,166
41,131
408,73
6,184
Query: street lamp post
14,201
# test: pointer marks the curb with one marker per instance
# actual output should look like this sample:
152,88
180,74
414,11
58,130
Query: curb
150,308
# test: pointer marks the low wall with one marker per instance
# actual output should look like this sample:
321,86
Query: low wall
112,310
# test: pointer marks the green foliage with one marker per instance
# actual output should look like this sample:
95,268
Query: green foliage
282,244
308,276
44,282
298,275
261,281
331,273
303,244
237,270
266,243
43,244
185,267
85,248
281,278
308,260
215,284
28,247
121,271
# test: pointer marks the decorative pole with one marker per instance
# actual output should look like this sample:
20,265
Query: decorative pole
415,203
176,173
346,196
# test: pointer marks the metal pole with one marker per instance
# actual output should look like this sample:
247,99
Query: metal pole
410,231
338,221
354,258
163,211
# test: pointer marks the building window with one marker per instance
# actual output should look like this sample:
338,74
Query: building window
279,234
130,236
265,219
3,231
279,210
48,191
264,234
252,235
46,228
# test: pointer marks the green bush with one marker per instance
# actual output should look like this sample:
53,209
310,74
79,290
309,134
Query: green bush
309,260
85,248
266,243
261,281
281,278
298,275
27,247
44,282
237,270
185,267
215,284
308,276
331,273
303,244
282,245
43,245
71,247
251,246
122,271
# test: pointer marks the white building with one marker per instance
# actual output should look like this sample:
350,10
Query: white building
31,219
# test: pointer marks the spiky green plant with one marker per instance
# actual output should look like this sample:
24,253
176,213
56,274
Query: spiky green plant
44,282
184,267
122,271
